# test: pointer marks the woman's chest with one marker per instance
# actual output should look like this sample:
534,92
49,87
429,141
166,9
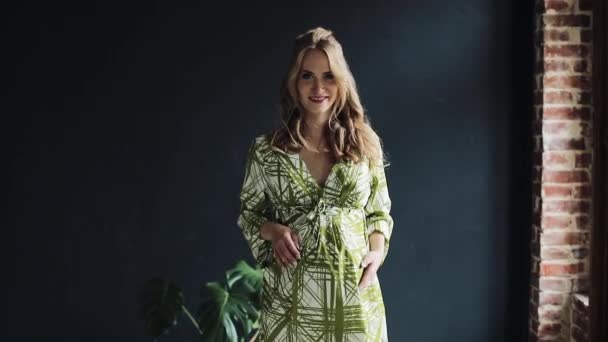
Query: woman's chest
292,179
319,165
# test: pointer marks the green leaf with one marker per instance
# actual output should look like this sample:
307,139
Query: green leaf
246,274
160,305
229,311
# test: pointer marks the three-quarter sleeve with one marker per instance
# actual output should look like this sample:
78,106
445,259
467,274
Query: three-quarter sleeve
378,206
254,208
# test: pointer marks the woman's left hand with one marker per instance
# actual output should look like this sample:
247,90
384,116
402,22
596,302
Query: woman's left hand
371,262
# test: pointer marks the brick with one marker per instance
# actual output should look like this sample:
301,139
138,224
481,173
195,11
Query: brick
552,298
581,66
566,206
586,130
558,159
546,329
556,238
553,36
568,128
555,284
549,312
582,191
582,160
555,191
535,267
583,222
533,322
555,65
562,20
562,162
561,144
553,253
535,251
548,268
579,176
567,81
533,311
566,51
584,97
534,295
566,113
579,252
556,222
557,97
557,5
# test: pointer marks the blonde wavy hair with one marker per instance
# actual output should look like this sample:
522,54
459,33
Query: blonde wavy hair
349,135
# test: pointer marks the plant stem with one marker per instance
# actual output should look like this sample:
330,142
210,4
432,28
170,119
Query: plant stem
255,336
192,319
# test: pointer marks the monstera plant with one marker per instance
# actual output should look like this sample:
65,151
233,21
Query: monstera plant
229,309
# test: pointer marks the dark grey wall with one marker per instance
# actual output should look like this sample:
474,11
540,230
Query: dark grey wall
130,125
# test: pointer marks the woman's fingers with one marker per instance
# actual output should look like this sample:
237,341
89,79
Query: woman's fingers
371,264
283,252
372,261
287,252
286,247
296,239
366,279
291,247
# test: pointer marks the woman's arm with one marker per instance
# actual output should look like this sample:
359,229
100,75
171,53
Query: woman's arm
378,218
376,242
254,205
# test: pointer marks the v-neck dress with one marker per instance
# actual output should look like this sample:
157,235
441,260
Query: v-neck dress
319,298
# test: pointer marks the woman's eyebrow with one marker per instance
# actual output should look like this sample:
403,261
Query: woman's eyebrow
326,72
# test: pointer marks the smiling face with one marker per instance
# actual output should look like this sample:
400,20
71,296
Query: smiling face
317,88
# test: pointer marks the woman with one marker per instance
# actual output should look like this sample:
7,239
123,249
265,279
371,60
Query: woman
315,205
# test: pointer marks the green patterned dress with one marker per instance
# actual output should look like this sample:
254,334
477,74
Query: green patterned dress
318,299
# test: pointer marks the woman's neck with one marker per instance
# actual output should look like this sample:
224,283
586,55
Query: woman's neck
314,132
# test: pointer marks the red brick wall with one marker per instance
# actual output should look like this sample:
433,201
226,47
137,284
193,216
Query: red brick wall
580,318
562,166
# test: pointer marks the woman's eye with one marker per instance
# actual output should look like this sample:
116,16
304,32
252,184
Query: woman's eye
306,76
329,76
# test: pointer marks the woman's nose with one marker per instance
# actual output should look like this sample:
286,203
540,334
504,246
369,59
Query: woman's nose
317,84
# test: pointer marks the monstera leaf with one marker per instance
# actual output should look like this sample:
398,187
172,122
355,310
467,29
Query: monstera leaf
246,282
229,311
246,275
160,304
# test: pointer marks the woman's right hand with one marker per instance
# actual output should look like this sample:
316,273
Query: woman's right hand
285,242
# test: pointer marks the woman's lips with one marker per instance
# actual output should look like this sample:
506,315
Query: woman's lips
317,99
